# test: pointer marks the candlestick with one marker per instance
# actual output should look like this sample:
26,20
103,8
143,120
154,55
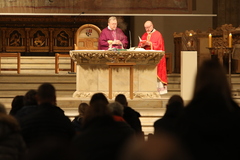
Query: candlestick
230,40
210,40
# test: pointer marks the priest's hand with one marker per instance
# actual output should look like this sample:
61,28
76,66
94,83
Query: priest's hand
147,43
144,43
117,42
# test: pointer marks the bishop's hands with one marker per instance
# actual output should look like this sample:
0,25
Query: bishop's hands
144,43
112,43
117,42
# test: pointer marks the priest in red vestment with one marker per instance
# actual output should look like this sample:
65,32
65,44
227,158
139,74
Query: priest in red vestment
153,40
112,37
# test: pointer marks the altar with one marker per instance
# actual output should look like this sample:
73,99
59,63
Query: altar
93,72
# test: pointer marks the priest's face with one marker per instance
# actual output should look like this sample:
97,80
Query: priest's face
148,26
112,24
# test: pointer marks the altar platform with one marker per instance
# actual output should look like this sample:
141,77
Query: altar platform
37,70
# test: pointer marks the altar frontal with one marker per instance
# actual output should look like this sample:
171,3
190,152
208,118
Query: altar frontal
93,72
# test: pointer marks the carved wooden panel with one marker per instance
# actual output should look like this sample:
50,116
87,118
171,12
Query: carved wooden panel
63,39
15,40
39,40
53,29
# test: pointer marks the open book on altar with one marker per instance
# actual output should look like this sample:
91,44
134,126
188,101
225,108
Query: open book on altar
141,41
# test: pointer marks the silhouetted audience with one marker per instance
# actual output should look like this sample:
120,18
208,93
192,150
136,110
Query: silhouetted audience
77,121
102,137
209,127
17,104
162,146
117,111
2,108
30,105
12,145
51,149
168,121
130,115
48,120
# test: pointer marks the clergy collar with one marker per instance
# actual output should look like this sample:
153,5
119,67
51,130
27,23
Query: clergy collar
152,31
111,29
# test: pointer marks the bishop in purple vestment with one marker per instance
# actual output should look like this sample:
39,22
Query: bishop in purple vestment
118,38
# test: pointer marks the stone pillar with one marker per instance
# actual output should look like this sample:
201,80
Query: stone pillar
188,73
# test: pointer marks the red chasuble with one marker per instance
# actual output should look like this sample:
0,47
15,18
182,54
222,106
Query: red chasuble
157,44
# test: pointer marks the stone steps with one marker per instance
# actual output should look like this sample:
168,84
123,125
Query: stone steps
37,70
31,64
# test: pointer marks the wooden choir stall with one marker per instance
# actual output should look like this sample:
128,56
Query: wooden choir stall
219,48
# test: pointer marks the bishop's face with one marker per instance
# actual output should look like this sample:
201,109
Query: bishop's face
148,27
112,24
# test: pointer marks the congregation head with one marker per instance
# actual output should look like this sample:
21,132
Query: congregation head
98,107
17,104
30,97
99,98
211,79
175,105
82,108
46,93
2,108
121,98
116,108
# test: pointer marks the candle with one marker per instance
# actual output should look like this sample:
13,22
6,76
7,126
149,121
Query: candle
190,34
230,40
210,40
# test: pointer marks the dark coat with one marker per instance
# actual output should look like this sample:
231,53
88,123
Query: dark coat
210,131
168,122
47,121
102,138
25,111
12,145
77,123
132,118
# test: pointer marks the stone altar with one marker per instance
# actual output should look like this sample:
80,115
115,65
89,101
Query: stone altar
92,72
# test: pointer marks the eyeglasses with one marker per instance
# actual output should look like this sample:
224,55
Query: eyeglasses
147,27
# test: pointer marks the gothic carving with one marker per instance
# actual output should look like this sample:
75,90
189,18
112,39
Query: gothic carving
142,95
15,40
62,40
101,57
39,40
52,33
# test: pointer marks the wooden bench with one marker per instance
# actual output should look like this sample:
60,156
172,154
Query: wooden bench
17,55
57,69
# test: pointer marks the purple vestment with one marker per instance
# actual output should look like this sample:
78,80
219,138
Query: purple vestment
108,34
